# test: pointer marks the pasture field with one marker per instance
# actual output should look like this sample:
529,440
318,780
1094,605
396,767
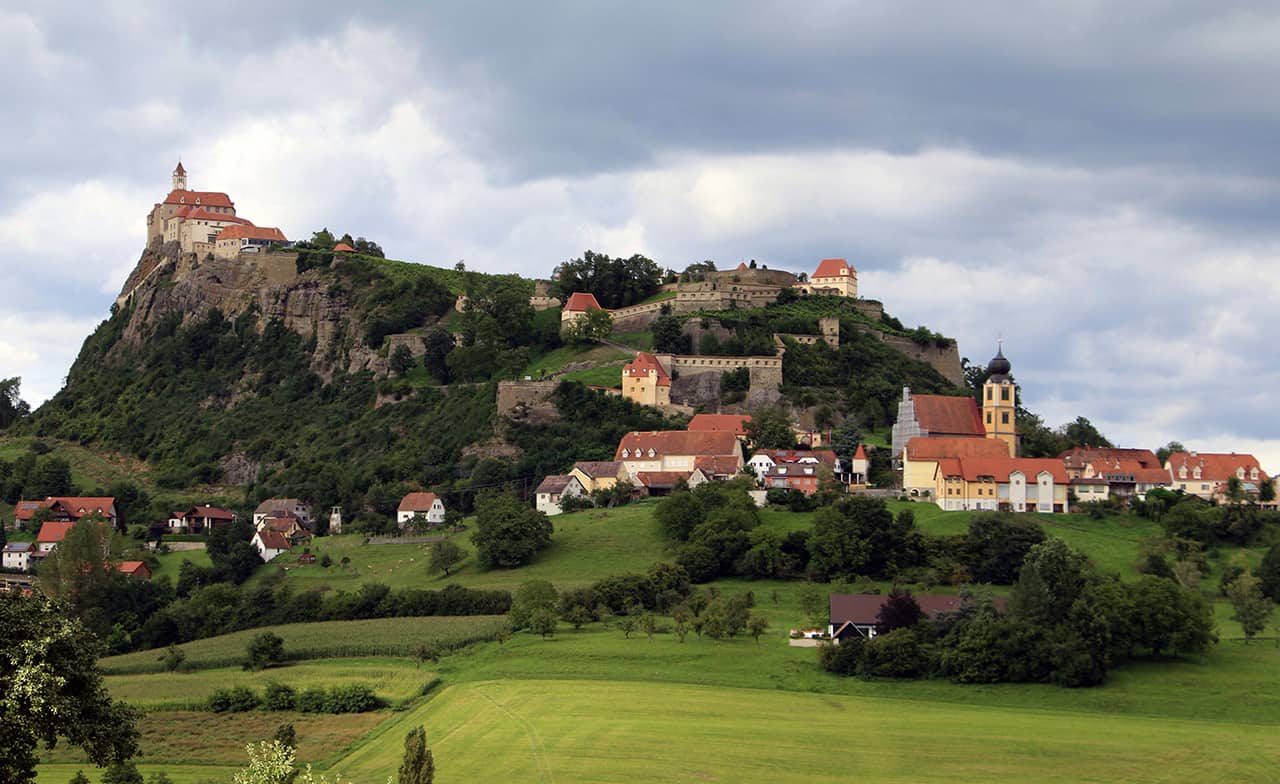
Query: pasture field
578,731
324,640
394,680
171,563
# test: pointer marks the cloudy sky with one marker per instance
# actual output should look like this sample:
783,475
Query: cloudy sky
1097,182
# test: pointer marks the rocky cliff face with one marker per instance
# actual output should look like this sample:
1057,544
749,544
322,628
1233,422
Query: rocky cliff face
266,286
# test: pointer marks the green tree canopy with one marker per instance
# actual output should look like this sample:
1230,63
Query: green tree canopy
508,533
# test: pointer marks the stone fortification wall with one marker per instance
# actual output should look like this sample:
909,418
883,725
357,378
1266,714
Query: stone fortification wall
528,393
415,343
944,360
753,277
637,317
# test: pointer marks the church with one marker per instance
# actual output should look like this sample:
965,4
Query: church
947,416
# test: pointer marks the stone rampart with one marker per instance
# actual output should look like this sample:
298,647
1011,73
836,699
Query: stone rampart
944,360
529,393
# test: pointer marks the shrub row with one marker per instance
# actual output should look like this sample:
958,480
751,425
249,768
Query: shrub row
350,698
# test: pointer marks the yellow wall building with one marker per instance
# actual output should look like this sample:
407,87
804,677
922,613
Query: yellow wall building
645,382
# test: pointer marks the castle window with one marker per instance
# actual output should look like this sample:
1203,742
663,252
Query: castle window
1004,417
1004,393
989,393
988,417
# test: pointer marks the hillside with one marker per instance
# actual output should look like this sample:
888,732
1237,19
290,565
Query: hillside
349,379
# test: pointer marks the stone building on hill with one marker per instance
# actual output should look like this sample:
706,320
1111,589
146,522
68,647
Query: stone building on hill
196,219
946,416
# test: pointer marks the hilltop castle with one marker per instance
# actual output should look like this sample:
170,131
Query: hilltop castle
205,222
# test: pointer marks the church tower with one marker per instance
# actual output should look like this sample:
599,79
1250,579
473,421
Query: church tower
999,402
179,178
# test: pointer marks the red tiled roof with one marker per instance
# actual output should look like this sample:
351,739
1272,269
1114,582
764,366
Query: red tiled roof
599,468
999,468
947,415
555,484
582,301
825,456
198,213
716,465
661,479
1078,457
417,502
210,512
250,232
133,567
832,268
203,198
273,505
1214,467
273,540
53,532
643,364
923,448
861,454
343,247
1126,471
742,265
25,509
862,608
734,423
677,442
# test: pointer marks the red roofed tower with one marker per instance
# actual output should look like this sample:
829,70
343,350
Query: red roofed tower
179,178
645,381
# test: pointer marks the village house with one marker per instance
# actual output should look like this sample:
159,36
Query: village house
644,381
1201,473
675,450
1098,473
718,467
859,469
138,570
856,613
17,556
428,506
1010,484
67,509
763,461
599,474
553,490
288,526
280,507
734,423
663,483
50,536
269,543
921,454
793,476
201,518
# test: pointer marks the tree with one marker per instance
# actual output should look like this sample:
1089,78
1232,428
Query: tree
531,596
1162,454
264,650
1267,491
444,556
1082,432
1269,573
122,773
271,762
770,428
669,337
813,599
899,611
79,778
543,621
508,533
996,545
1251,609
595,325
679,513
81,566
12,406
286,735
438,345
419,766
402,361
54,689
756,626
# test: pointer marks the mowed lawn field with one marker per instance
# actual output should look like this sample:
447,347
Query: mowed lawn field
585,731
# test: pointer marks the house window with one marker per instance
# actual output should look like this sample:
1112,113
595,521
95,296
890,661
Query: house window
989,393
1004,417
1004,393
988,417
626,453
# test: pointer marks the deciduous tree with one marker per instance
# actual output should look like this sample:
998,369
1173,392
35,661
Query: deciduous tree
1251,609
418,766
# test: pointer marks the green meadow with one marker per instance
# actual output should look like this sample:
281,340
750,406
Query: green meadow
596,706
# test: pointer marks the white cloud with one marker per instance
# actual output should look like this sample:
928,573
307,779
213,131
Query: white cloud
40,348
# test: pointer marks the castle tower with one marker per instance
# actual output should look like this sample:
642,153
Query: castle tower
179,178
999,402
830,328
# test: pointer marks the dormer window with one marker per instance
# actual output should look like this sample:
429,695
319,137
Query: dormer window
652,453
626,453
1253,474
1196,473
1182,472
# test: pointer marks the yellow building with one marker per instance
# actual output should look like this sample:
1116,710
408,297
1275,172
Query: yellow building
599,475
833,277
999,403
645,382
1010,484
921,455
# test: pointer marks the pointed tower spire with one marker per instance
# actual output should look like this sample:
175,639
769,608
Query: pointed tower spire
179,177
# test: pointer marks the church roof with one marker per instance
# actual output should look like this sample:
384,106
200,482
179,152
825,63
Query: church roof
832,268
203,198
948,415
925,448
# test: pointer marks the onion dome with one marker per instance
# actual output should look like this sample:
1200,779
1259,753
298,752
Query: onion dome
998,368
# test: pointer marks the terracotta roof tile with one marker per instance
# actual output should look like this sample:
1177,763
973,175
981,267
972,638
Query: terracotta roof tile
832,268
1214,467
252,232
734,423
273,540
999,468
582,301
862,609
677,442
53,532
197,213
925,448
203,198
661,480
417,502
643,365
343,247
599,468
556,484
947,415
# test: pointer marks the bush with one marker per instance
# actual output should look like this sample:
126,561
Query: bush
312,700
264,650
842,659
278,697
352,698
897,654
236,699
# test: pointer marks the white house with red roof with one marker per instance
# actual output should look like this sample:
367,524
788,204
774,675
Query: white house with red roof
234,240
579,304
553,490
833,277
269,543
201,518
1012,484
1206,474
67,509
425,505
